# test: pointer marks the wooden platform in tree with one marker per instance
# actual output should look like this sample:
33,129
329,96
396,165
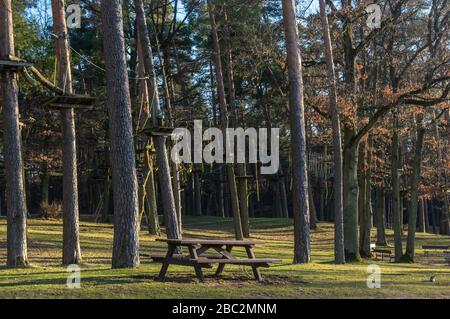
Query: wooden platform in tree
71,102
13,64
245,177
158,131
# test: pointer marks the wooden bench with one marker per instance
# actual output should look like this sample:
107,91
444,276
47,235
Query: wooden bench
440,248
447,256
198,258
383,252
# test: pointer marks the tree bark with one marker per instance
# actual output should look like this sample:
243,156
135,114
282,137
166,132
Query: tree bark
150,200
240,167
302,249
197,192
350,196
45,181
396,205
71,236
421,220
380,211
312,208
415,182
339,255
443,180
15,192
364,200
126,214
284,201
224,122
168,104
426,215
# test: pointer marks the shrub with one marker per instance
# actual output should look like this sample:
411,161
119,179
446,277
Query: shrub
53,210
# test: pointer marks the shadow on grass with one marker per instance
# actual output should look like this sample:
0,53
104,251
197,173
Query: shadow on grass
92,280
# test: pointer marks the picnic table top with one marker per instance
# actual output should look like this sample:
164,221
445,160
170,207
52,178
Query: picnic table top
207,242
382,250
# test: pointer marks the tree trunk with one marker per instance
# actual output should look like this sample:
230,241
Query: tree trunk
426,215
396,205
150,200
45,183
380,211
339,255
312,208
106,197
350,195
243,199
126,214
15,192
224,122
167,196
240,167
197,192
276,198
284,202
168,104
302,249
443,179
150,204
364,200
71,237
421,219
415,183
221,194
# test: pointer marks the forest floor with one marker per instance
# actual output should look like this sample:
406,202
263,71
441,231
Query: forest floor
46,278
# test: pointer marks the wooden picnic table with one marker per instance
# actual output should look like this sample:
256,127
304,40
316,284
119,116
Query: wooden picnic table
198,258
382,252
441,248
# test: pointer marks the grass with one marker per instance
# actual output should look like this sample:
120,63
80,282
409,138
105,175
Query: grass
46,278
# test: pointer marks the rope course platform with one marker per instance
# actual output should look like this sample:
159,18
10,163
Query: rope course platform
245,177
13,66
71,102
61,100
158,131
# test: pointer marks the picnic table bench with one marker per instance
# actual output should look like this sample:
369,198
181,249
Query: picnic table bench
429,248
198,258
383,252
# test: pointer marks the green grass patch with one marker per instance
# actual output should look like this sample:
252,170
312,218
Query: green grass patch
46,278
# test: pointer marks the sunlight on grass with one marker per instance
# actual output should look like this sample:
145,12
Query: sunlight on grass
320,279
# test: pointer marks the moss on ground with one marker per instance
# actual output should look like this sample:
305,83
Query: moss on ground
320,279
